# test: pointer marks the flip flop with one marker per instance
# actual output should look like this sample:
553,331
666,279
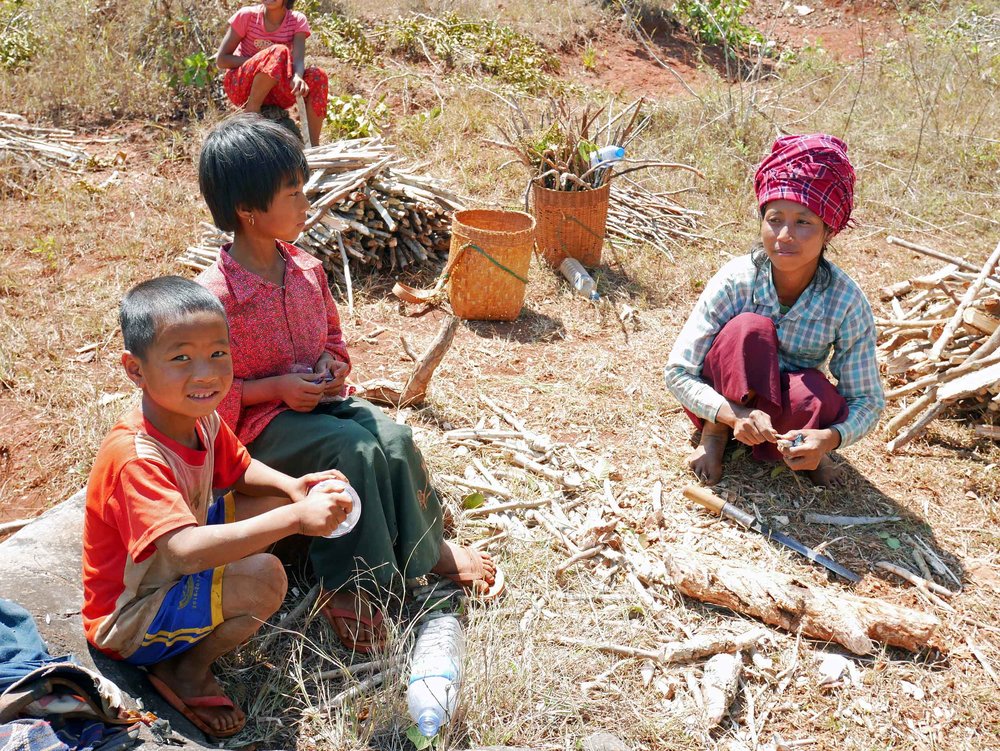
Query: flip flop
340,618
184,706
468,582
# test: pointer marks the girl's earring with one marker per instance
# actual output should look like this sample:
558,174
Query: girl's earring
251,220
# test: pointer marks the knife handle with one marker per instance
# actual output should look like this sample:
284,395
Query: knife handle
705,497
712,502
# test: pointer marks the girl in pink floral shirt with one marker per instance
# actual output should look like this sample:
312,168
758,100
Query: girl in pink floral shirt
283,321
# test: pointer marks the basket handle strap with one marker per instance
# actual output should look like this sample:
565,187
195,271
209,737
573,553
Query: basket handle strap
434,294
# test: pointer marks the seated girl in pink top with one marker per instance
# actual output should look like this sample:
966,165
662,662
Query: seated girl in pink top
289,402
263,54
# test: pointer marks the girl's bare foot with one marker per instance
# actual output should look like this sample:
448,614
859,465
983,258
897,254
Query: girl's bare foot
192,682
474,569
706,460
828,474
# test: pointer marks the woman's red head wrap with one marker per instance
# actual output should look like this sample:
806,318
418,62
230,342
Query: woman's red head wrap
811,170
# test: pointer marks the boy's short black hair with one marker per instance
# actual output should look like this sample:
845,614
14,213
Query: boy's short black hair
147,306
244,162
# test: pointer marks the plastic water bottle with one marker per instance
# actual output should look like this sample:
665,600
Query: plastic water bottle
435,674
355,513
582,282
607,155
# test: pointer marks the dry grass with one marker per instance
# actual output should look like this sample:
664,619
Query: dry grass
918,120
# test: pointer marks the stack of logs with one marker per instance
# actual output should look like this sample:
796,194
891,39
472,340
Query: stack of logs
943,343
364,213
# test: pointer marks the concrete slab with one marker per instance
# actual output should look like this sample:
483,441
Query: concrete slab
41,570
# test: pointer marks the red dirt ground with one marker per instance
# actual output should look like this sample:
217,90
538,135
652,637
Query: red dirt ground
622,63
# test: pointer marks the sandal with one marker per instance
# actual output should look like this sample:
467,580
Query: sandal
341,620
185,705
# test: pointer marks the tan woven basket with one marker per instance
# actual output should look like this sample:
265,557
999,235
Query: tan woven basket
571,223
488,263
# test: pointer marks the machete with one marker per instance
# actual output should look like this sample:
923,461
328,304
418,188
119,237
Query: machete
712,502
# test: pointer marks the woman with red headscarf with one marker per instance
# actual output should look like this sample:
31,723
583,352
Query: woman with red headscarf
747,362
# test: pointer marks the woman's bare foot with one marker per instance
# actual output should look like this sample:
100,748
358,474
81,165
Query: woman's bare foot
191,682
706,460
828,473
473,569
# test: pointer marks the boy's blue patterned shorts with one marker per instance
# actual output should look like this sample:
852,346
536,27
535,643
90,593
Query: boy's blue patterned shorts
192,608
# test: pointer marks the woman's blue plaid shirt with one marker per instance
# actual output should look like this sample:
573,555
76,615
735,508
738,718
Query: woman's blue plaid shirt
837,318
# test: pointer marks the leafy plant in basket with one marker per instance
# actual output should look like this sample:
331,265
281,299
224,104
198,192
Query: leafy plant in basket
566,149
572,155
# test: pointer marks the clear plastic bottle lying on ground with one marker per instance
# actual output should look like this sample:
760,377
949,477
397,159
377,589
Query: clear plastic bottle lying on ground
582,282
436,674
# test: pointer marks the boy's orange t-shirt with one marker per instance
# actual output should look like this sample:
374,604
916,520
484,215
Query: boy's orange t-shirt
144,484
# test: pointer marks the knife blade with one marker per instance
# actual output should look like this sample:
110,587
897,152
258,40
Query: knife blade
712,502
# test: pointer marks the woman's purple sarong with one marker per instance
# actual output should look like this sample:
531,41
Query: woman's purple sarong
744,359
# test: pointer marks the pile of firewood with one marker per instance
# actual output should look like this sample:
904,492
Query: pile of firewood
366,212
637,215
27,150
942,343
574,505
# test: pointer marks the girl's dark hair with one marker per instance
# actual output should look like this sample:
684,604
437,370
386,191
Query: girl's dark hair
289,4
148,306
244,162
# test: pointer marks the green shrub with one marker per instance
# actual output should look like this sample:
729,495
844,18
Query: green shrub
718,22
345,39
355,117
18,40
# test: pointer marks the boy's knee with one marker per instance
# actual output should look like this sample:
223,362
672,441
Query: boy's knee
255,585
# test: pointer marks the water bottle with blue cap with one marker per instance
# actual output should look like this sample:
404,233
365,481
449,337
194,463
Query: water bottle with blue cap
435,674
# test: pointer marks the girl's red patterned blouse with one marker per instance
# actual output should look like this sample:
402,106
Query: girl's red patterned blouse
272,328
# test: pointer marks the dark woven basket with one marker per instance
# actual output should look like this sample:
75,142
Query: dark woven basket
488,263
571,223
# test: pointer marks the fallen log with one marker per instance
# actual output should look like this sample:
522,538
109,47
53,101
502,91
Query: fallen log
852,621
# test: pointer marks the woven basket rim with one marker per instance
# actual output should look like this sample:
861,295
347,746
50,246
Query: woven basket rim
539,186
527,221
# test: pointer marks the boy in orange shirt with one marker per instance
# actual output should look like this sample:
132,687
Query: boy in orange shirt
173,570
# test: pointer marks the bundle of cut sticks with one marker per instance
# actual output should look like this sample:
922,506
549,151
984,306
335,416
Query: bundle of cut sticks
637,216
942,343
26,150
365,212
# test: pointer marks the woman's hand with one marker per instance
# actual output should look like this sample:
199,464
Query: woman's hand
299,391
814,445
752,426
299,86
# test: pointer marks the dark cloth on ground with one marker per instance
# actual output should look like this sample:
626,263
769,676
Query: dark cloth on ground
744,359
400,530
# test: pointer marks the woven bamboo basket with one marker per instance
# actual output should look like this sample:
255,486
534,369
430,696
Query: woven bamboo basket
571,223
488,263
